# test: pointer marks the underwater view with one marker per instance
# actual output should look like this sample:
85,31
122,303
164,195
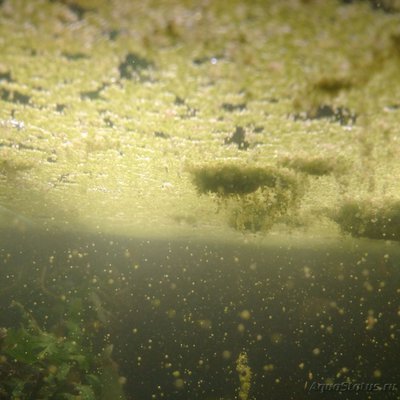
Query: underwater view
199,200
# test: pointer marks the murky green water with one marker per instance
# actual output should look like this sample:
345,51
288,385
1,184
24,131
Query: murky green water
170,318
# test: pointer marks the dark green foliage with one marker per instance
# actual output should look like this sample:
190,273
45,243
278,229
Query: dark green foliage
40,364
366,219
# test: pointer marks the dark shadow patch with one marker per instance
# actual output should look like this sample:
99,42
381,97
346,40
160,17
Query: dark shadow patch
52,158
161,135
182,219
387,6
207,59
13,96
108,122
341,114
179,101
233,107
75,56
238,137
74,7
78,10
395,42
6,76
333,85
190,112
60,108
392,107
113,34
92,94
133,66
232,179
21,146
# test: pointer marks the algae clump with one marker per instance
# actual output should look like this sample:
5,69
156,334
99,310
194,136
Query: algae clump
226,180
255,197
316,166
370,220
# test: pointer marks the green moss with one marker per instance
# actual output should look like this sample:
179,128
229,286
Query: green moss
371,220
37,363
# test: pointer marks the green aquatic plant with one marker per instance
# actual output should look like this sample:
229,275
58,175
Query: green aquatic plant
39,364
245,374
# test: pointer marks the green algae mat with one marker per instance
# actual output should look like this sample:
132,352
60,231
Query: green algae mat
169,117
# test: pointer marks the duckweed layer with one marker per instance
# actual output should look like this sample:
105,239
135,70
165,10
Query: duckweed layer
104,104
